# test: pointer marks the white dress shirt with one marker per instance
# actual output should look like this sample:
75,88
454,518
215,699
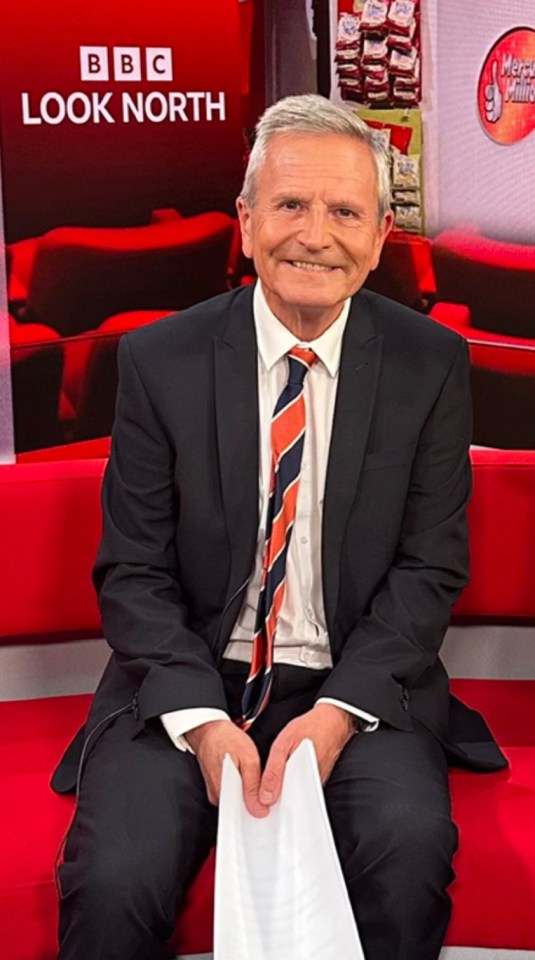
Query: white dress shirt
301,637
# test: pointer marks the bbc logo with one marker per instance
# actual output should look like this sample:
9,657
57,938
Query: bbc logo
126,63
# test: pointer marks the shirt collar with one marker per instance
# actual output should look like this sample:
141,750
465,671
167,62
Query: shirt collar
275,340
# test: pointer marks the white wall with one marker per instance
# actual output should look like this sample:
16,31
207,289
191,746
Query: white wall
468,177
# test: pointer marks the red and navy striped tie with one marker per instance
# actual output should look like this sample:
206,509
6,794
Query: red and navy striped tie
287,440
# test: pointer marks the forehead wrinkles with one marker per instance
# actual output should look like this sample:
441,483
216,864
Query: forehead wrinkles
294,167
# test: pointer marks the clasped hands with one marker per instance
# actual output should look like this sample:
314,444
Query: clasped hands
328,727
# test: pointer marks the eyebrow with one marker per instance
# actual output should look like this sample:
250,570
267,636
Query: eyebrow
289,195
302,198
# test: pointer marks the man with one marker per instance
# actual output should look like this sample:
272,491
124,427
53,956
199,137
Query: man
302,405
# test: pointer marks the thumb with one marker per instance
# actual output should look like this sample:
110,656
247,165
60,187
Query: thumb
271,783
250,775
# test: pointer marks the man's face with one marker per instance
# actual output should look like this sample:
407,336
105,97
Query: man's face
313,230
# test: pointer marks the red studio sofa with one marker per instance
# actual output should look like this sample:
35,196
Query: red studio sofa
50,515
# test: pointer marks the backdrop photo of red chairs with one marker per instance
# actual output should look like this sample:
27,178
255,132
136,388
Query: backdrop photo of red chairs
75,290
484,289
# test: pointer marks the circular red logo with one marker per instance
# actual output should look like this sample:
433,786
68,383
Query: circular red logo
506,89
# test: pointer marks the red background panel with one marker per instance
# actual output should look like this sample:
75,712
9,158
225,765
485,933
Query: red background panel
116,173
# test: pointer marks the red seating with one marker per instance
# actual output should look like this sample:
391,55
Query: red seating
50,531
74,280
91,372
494,279
502,537
81,275
82,450
405,271
52,514
495,813
485,290
37,360
496,817
503,382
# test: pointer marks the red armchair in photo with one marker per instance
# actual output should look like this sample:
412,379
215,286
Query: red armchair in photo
493,278
78,276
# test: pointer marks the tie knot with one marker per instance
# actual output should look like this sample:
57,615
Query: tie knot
304,355
301,359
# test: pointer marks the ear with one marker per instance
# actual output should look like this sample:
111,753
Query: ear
383,230
244,216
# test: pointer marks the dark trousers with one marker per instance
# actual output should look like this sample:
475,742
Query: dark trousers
144,826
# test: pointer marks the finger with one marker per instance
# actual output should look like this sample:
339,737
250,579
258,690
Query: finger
212,782
250,774
271,783
326,768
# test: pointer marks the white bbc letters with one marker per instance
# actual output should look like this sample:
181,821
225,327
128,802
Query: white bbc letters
159,63
127,63
94,63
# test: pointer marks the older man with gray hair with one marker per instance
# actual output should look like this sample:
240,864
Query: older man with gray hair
284,536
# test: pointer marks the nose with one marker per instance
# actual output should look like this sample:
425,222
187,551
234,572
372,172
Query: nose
314,232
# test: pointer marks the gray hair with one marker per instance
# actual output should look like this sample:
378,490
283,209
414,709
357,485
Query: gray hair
311,113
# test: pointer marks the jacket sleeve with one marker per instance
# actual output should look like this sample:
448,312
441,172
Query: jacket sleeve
400,635
143,610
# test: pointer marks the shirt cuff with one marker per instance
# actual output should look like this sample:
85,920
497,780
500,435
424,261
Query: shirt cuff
368,723
179,722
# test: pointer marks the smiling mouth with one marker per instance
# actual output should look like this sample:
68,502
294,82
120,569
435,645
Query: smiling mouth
311,267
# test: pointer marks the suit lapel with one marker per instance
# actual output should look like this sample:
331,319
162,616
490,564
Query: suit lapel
355,399
236,408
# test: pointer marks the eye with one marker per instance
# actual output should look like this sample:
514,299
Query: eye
290,205
345,213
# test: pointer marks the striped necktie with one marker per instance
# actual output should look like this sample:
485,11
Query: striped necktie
287,440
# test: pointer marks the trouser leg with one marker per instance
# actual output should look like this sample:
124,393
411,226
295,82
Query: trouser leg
142,829
389,807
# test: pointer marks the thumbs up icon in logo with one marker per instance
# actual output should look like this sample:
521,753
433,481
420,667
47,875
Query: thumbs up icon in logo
493,97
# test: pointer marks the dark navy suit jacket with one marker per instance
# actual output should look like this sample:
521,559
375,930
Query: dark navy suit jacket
180,506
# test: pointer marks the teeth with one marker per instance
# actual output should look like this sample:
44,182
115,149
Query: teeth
317,267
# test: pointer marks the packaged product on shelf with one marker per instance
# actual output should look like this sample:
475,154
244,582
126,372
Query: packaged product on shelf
411,80
383,138
407,97
401,15
406,172
404,62
378,96
374,50
348,69
376,83
408,218
379,45
401,41
399,136
349,53
404,197
348,29
375,69
354,83
374,16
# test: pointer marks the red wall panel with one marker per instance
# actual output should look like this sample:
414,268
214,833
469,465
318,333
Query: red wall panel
115,173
